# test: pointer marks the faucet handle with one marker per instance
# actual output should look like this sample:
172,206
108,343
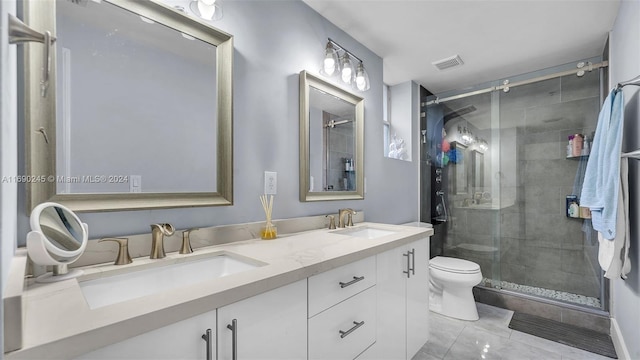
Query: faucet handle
123,257
186,241
332,221
350,218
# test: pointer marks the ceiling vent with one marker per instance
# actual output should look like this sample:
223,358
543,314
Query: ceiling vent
448,63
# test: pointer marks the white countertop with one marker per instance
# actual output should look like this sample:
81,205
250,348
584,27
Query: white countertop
58,323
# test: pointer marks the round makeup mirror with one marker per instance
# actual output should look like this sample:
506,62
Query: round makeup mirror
57,238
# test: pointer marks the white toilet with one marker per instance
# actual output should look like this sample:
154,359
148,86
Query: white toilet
451,282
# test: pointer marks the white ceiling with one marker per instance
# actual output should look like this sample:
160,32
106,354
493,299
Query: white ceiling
495,38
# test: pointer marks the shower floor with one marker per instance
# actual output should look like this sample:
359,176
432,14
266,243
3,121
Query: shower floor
548,293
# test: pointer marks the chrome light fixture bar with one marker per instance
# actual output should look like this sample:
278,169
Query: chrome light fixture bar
335,62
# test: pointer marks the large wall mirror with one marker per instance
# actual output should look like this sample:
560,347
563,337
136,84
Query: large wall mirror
331,141
139,108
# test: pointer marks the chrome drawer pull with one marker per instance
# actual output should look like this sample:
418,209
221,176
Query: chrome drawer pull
408,272
413,261
207,338
234,338
343,334
355,280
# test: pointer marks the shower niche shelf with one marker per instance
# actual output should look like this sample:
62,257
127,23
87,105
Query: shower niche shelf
580,157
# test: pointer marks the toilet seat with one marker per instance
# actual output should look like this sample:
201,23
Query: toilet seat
454,265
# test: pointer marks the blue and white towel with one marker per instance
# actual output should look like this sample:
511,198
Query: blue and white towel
602,176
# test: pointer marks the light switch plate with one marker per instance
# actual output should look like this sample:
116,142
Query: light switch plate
270,182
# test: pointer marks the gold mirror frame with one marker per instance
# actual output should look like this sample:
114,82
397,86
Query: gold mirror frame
306,81
40,116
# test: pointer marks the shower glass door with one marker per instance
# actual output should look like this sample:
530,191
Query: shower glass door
507,180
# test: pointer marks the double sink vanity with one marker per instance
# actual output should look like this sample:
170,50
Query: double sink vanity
359,292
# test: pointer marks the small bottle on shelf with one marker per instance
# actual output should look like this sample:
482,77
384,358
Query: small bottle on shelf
577,145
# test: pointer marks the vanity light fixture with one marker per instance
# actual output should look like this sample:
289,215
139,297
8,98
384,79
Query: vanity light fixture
362,78
484,146
339,60
206,9
346,72
464,134
330,63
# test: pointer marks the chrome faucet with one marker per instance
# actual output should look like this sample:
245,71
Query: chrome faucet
341,214
158,231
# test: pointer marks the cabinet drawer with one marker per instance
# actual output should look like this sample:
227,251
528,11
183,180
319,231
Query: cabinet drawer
345,330
333,286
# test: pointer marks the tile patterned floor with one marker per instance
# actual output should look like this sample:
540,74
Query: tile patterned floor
490,338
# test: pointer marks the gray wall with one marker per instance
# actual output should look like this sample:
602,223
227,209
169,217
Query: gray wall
274,41
625,65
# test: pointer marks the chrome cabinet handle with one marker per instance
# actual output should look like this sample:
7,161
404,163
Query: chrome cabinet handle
413,261
207,338
344,334
408,272
234,338
355,280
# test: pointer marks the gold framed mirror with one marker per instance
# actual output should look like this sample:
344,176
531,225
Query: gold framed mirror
138,114
331,141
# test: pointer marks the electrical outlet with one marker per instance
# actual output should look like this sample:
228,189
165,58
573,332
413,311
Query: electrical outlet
270,182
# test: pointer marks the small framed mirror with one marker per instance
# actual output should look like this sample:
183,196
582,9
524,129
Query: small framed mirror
331,141
138,112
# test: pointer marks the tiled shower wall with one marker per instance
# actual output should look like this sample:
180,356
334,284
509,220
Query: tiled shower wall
535,243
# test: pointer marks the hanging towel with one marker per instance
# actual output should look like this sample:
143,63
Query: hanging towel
602,180
617,251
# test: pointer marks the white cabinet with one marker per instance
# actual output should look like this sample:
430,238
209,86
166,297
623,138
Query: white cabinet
182,340
272,325
342,311
403,302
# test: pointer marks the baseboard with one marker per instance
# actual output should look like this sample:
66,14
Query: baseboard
618,341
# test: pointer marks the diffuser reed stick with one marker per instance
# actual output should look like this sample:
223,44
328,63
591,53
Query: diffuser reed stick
269,231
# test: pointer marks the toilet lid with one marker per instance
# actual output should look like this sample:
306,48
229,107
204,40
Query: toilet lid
454,265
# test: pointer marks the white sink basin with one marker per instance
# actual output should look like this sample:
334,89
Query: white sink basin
114,289
365,232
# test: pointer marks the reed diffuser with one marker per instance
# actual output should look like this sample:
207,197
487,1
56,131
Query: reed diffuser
269,231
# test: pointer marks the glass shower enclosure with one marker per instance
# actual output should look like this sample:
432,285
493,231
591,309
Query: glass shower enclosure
503,176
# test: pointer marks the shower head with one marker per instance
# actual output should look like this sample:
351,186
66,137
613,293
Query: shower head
460,112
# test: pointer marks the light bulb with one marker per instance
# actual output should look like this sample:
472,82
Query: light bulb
360,82
347,69
346,73
362,79
206,11
208,2
329,64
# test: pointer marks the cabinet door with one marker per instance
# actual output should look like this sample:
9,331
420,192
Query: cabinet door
391,287
182,340
418,298
272,325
